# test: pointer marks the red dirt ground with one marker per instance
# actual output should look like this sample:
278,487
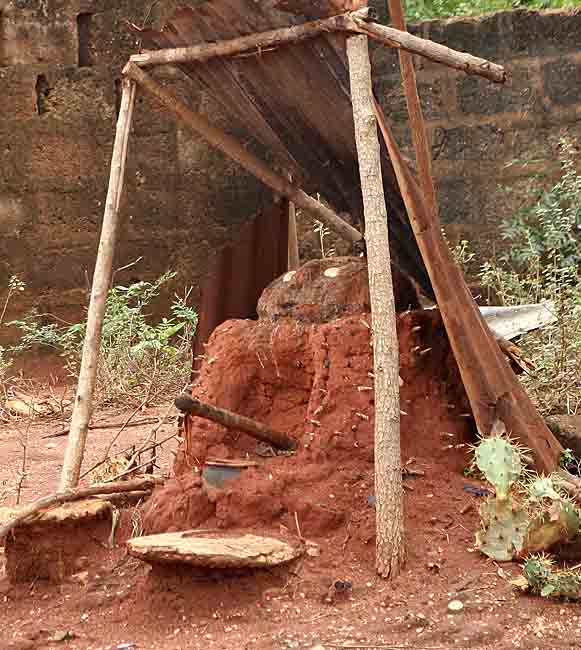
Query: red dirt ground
117,602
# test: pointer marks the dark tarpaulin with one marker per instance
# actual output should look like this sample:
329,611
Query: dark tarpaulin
295,102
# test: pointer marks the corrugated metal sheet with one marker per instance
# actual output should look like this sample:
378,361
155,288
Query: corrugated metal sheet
295,101
242,271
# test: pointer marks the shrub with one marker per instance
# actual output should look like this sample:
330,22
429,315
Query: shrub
541,265
140,362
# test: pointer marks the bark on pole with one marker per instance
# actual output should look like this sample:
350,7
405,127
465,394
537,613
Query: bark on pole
101,283
390,551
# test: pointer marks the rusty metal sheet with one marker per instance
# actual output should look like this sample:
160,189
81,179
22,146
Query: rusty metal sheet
241,272
294,101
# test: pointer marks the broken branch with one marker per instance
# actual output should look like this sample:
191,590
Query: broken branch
235,421
355,22
75,495
429,49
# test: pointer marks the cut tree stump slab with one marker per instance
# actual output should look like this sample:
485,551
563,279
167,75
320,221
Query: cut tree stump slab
67,512
54,543
215,550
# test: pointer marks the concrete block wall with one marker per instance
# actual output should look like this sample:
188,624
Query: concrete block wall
60,63
488,141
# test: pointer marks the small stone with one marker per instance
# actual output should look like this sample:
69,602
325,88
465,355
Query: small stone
455,606
61,635
313,551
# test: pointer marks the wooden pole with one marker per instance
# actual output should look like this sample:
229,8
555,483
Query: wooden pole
234,150
242,44
390,551
82,408
416,118
294,260
430,50
354,22
236,421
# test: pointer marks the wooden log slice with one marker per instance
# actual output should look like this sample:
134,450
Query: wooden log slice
214,550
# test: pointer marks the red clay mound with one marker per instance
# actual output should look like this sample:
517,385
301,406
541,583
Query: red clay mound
305,367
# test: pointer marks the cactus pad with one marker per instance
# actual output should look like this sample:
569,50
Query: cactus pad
543,578
504,529
500,463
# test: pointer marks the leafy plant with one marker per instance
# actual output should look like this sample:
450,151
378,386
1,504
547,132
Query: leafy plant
15,285
417,10
542,263
140,361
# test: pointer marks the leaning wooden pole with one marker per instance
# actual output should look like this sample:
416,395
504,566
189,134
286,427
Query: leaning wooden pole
82,408
235,151
390,550
416,117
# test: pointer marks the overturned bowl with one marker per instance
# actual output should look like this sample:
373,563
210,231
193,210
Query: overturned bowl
217,472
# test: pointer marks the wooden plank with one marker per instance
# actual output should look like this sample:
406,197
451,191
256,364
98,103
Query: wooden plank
492,388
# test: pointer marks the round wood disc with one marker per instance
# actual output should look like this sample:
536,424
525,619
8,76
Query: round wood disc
214,550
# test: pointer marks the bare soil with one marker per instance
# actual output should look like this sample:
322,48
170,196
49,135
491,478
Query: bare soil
116,602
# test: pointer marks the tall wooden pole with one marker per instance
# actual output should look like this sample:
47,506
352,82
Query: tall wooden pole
101,283
416,117
390,551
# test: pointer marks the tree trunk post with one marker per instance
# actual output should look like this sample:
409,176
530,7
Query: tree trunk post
390,551
82,408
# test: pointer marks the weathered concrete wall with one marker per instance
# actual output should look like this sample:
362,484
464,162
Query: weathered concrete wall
60,63
489,142
59,92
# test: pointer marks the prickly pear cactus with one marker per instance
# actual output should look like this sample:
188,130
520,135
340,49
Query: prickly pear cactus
557,524
543,488
504,528
500,463
544,579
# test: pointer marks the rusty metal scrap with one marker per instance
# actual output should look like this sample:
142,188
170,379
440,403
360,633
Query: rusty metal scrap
241,272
